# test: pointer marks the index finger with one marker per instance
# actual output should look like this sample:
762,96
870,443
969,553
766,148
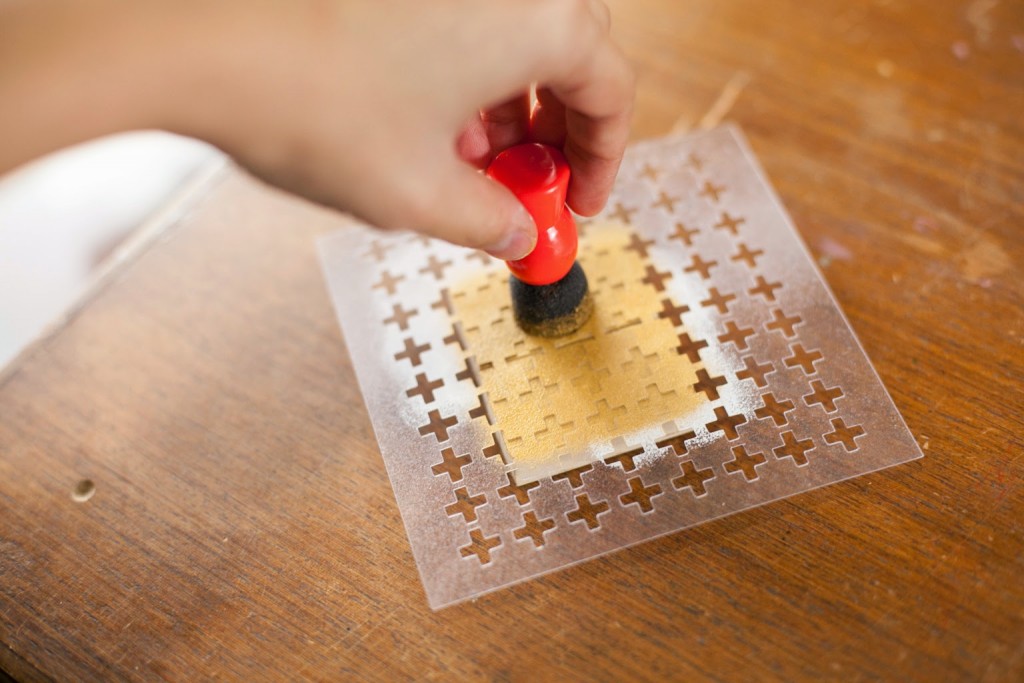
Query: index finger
596,84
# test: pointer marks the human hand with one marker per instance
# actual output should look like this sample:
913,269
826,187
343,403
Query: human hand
384,108
370,106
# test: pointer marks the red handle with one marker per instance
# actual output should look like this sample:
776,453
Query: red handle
539,176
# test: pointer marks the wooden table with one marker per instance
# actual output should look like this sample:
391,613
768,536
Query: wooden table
242,524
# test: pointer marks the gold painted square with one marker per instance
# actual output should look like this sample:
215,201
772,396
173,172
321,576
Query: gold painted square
562,403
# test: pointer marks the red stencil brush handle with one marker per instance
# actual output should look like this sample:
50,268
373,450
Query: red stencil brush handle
539,176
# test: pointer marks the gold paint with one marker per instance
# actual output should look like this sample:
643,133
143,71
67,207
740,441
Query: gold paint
561,402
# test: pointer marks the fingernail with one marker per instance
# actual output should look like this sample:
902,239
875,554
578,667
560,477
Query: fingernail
518,241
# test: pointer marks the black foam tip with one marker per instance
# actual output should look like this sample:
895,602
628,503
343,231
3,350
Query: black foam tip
540,307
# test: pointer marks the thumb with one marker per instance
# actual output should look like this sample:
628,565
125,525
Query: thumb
470,209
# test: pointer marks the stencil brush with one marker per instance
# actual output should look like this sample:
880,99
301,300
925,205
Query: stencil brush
550,295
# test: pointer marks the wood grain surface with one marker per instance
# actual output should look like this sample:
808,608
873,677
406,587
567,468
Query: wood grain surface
242,524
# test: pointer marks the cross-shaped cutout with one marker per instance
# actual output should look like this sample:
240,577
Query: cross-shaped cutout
745,254
677,443
425,388
755,371
656,279
666,202
794,448
711,191
765,289
774,409
521,492
536,385
653,392
708,384
638,365
825,397
522,349
444,301
804,359
534,528
638,244
587,512
456,337
684,234
693,478
388,282
694,163
846,435
482,256
674,314
435,266
574,476
480,546
400,317
785,324
551,423
745,462
500,314
438,426
497,448
465,504
650,172
378,250
451,464
483,409
604,406
622,214
589,375
690,347
413,351
726,423
626,460
727,222
718,300
472,372
701,266
640,495
736,335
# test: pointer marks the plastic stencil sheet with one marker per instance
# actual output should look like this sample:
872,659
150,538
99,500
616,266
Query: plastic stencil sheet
717,373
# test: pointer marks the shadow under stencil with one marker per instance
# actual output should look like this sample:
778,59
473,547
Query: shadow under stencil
716,374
